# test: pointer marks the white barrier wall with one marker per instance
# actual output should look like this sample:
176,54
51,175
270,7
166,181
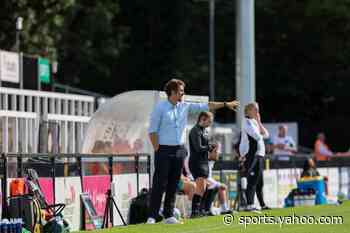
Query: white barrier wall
344,181
270,188
125,189
277,184
68,190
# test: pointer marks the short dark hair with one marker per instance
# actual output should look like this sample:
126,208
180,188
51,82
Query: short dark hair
205,115
173,85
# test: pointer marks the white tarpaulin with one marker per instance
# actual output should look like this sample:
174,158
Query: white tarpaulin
120,125
9,67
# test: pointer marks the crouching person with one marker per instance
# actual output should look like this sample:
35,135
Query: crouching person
214,187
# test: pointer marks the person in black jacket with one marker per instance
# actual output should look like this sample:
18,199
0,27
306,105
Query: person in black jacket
198,161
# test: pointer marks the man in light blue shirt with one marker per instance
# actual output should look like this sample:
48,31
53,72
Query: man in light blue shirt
167,135
169,121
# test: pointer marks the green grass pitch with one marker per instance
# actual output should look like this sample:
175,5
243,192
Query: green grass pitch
215,224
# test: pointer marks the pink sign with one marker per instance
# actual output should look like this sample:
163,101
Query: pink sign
47,189
96,187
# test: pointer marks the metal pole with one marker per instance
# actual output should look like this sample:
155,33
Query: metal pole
20,58
18,50
38,80
212,49
18,46
245,55
110,202
80,170
53,177
4,189
149,171
20,55
137,173
19,166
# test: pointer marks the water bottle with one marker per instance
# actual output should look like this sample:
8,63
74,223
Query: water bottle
10,226
14,223
5,224
19,225
2,226
296,197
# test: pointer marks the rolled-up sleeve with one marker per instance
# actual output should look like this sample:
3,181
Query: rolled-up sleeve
252,130
155,120
266,135
198,107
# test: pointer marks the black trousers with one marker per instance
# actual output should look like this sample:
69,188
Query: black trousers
255,169
259,189
168,163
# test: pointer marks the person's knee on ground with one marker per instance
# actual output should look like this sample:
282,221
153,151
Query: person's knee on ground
222,193
189,189
223,197
208,199
201,184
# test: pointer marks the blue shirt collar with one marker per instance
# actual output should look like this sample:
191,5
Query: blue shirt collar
171,104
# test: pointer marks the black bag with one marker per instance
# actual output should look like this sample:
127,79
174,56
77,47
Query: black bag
56,225
23,207
138,212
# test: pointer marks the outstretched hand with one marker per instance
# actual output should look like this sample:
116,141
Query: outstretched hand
233,105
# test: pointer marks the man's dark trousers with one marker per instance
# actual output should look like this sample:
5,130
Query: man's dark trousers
259,190
255,167
168,162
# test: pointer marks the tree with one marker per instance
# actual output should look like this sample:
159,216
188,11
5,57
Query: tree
43,21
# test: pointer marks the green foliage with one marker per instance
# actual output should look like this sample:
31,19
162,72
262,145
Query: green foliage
43,21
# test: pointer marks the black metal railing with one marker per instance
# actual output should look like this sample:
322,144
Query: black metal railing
65,165
294,161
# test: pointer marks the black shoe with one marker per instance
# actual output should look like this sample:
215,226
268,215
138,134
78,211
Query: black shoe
196,204
265,208
253,209
208,213
226,212
196,215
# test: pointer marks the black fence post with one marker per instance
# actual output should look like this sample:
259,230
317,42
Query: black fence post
149,171
137,173
53,175
221,169
19,166
4,188
80,171
110,169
